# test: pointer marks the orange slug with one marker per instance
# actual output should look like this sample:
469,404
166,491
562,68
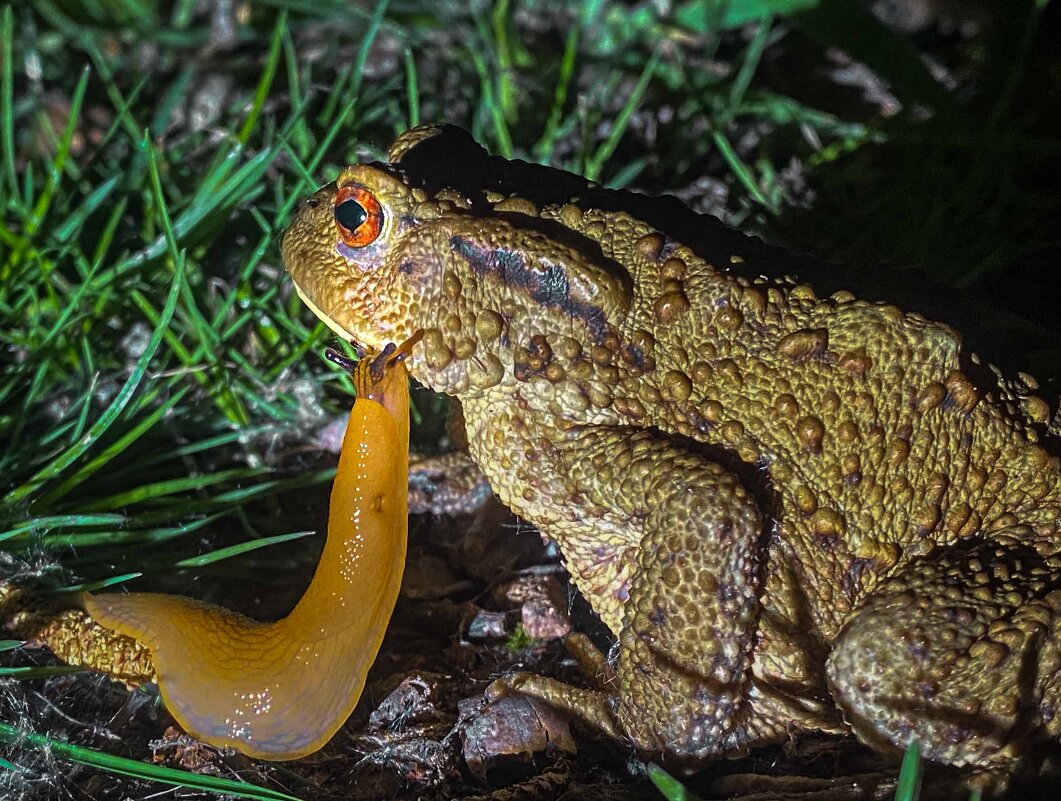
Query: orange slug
281,690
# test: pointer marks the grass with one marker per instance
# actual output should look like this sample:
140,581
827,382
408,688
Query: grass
158,376
907,786
135,769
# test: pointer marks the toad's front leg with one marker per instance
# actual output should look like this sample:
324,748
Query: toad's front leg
689,599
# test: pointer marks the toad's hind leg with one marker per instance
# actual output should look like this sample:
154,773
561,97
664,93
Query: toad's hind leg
960,650
690,606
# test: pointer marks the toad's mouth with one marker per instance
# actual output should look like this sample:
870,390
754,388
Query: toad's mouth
328,321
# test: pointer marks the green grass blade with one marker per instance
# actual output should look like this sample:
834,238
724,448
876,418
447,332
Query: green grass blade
75,219
266,488
300,134
241,548
43,672
908,788
140,770
213,200
375,22
172,486
741,170
356,68
543,150
74,303
55,174
412,88
7,103
92,586
63,521
750,63
669,787
266,81
130,536
490,103
220,440
506,87
596,163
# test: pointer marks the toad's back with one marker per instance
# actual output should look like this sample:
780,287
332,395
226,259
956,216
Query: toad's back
874,437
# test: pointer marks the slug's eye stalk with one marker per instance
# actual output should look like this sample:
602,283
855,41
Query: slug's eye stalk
358,216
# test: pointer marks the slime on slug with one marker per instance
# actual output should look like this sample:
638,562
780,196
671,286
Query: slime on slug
281,690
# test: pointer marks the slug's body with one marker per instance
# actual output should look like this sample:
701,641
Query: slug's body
281,690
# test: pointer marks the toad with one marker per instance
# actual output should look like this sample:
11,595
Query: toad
793,511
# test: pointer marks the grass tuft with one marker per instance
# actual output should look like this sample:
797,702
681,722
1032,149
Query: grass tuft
138,770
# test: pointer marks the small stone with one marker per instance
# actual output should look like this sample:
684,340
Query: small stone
487,625
500,740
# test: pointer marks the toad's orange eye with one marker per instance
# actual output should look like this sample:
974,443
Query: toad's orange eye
358,216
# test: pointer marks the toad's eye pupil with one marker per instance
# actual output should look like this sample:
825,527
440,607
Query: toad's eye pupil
350,214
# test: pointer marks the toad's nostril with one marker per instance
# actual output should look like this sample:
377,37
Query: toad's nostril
312,202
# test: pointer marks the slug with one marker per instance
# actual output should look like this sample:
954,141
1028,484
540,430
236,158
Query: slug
281,690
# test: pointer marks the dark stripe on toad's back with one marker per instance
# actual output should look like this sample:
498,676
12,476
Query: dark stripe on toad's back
547,287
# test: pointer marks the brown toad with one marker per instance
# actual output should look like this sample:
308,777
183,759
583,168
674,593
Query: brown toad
794,512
